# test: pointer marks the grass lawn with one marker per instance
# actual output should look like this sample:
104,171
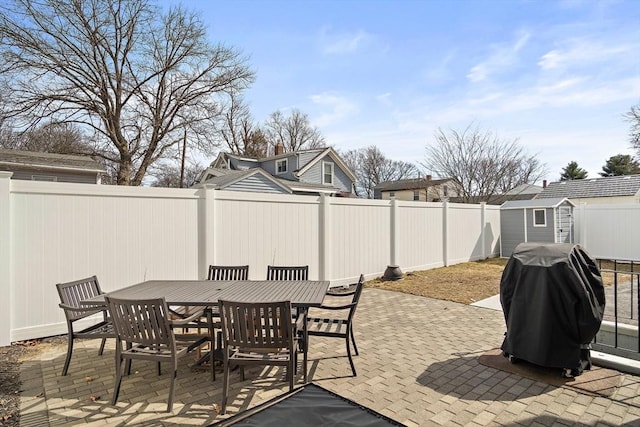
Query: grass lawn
464,283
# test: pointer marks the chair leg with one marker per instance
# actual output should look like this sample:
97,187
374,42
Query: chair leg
291,372
225,387
116,387
104,341
171,388
353,340
69,352
353,367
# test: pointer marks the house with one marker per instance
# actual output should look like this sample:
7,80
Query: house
37,166
520,192
304,172
610,189
537,220
418,189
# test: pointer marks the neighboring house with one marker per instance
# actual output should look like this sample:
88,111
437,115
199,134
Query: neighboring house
537,220
36,166
521,192
610,189
306,172
419,189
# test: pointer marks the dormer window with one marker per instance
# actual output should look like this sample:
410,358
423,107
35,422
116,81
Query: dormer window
327,173
281,166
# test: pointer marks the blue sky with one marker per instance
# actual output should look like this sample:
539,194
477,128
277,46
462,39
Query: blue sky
558,75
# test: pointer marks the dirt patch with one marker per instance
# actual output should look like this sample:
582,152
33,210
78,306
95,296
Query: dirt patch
465,283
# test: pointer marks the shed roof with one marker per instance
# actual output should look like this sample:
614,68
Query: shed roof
536,203
610,186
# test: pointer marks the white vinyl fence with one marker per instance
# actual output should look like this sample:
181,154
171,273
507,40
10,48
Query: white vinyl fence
54,232
609,231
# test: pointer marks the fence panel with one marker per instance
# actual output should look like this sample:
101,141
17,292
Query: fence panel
609,231
420,233
261,230
123,237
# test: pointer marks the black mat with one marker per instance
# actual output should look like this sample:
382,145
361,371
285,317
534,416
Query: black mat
309,405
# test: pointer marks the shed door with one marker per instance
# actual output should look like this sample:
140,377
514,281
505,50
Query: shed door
564,224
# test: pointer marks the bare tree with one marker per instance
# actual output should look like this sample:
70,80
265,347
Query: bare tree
294,131
169,175
482,164
237,130
135,77
372,167
633,117
61,138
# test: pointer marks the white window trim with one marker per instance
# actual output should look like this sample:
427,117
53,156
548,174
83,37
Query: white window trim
286,166
534,218
416,195
332,173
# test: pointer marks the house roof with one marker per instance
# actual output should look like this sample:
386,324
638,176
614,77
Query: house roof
524,189
49,161
536,203
610,186
410,184
232,176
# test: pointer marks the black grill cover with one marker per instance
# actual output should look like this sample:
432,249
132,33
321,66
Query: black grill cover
553,301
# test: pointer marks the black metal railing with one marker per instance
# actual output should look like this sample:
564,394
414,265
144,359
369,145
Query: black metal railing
618,334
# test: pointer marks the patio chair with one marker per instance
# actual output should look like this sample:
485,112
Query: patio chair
146,329
287,272
71,293
256,334
337,326
223,272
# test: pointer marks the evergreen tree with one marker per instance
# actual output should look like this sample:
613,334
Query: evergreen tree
572,171
620,164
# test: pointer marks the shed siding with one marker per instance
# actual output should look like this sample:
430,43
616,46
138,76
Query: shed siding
541,234
256,183
511,230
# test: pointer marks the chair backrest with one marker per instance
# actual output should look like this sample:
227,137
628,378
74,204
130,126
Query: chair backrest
256,325
142,322
234,272
71,293
356,296
288,272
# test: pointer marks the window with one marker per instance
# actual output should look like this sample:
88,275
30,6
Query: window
281,166
539,217
327,173
445,191
416,194
392,194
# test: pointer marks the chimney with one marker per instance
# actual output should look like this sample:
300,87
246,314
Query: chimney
544,183
279,148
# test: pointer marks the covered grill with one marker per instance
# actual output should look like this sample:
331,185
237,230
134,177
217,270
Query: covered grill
553,302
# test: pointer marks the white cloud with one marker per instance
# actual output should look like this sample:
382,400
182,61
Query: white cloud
582,52
339,108
503,56
341,44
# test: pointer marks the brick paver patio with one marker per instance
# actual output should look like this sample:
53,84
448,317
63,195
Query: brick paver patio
418,364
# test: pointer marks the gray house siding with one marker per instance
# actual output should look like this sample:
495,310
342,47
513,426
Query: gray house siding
305,158
292,165
56,176
256,183
511,230
314,175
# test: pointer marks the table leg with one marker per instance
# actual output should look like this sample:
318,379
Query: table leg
305,338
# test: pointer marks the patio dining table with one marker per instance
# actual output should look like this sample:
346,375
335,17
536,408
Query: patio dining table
303,294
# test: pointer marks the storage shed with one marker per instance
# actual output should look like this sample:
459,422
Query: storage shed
537,220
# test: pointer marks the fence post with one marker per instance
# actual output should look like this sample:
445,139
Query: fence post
483,224
445,233
206,231
5,261
394,258
324,238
